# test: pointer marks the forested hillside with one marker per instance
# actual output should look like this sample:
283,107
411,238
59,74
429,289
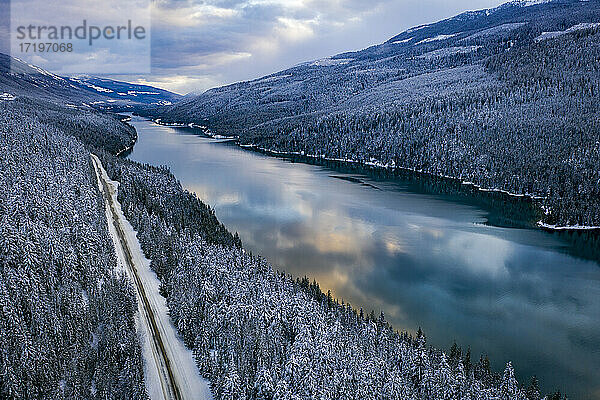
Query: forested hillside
66,310
260,334
474,110
119,93
505,98
67,314
92,128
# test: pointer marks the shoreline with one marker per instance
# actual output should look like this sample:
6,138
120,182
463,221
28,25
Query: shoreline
133,141
539,224
389,169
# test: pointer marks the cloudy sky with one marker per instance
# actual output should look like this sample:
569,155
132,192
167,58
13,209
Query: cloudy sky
199,44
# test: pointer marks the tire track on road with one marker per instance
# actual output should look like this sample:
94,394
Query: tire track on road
169,384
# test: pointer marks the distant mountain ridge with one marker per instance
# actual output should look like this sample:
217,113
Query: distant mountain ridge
118,90
19,78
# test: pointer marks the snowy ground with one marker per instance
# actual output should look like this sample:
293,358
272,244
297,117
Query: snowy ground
578,27
169,369
7,97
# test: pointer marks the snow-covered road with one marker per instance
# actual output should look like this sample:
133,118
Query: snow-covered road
169,369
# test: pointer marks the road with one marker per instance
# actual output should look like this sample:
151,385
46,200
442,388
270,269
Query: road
166,359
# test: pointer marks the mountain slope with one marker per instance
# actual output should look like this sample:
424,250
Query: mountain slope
504,98
18,78
321,85
124,91
66,311
76,106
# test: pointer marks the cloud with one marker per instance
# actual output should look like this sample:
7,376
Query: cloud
294,29
233,40
191,15
174,83
81,23
215,42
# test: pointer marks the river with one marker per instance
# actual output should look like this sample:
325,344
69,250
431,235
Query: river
427,260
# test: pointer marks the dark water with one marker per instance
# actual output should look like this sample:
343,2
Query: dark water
426,260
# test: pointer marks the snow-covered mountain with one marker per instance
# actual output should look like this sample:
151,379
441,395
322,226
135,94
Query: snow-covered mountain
371,77
467,97
118,90
19,78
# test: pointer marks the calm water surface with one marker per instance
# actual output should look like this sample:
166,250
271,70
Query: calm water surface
424,259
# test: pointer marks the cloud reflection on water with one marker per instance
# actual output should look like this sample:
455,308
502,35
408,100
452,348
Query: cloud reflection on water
425,260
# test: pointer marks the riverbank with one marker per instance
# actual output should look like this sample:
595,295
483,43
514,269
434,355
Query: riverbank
507,209
369,167
423,249
394,171
125,119
511,210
